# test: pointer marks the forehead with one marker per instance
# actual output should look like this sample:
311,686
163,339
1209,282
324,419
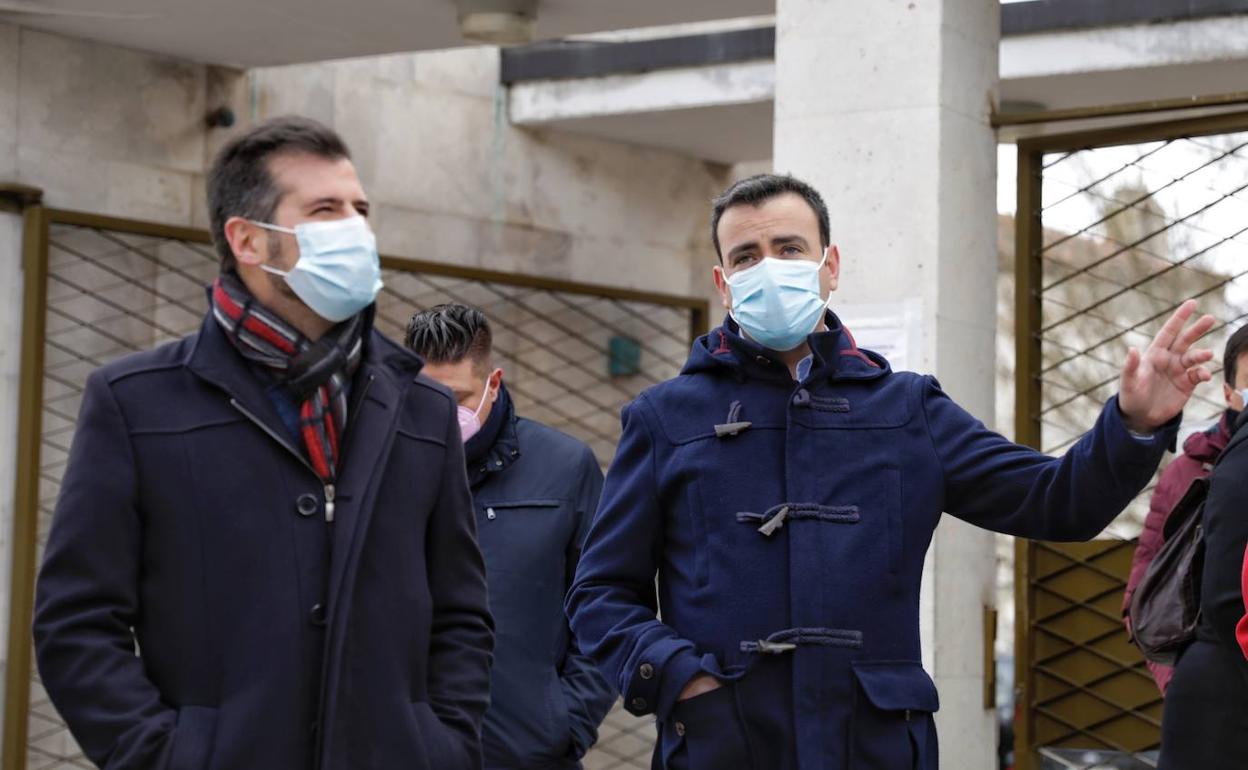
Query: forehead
785,214
1241,370
304,176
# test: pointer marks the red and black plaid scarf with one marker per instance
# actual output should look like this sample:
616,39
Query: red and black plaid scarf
315,373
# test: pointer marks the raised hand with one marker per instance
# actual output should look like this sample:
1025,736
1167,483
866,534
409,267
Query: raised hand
1155,385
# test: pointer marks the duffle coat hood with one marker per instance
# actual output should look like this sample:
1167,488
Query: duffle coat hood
788,524
268,638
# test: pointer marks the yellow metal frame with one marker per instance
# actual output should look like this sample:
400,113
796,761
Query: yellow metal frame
1028,273
37,221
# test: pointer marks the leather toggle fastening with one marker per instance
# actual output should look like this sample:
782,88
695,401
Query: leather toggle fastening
734,424
790,639
776,516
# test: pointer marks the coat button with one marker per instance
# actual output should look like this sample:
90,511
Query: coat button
639,704
316,615
307,504
801,398
646,671
680,728
762,360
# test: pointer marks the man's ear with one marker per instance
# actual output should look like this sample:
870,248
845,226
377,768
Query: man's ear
495,383
833,265
249,243
721,285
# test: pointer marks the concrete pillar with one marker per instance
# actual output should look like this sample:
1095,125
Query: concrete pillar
884,107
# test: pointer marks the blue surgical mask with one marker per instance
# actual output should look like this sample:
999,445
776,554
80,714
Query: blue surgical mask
338,273
778,302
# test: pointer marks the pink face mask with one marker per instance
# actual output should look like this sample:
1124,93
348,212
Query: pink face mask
470,421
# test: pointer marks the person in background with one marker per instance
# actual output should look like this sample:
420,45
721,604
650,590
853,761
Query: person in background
1200,451
1205,722
272,512
535,490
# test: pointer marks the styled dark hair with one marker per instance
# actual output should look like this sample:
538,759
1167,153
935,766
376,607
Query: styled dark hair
1236,345
240,183
757,190
447,334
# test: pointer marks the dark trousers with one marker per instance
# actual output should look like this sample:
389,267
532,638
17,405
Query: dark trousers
1205,725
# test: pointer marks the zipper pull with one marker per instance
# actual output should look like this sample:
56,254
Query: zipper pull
329,503
490,514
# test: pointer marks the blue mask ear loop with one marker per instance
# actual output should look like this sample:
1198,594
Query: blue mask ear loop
277,229
826,302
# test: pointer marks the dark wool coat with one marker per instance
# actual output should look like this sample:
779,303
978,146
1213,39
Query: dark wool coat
268,638
535,490
788,524
1205,724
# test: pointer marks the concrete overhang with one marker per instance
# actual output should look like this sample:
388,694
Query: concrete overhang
255,33
1055,54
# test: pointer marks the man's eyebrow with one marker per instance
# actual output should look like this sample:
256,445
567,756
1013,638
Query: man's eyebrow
742,247
784,240
332,201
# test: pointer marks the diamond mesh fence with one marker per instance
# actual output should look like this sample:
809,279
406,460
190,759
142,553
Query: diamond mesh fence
112,292
1122,235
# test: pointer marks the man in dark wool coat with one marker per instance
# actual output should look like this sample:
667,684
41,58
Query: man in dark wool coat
273,511
785,487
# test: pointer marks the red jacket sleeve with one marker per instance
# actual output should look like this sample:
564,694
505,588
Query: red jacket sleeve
1241,630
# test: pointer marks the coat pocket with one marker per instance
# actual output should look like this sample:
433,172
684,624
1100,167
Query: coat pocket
560,724
892,726
193,738
712,731
437,740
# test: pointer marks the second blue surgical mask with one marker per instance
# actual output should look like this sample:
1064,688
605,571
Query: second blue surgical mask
338,273
778,302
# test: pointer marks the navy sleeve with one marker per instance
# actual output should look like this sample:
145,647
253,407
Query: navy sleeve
612,605
87,598
588,693
461,642
999,485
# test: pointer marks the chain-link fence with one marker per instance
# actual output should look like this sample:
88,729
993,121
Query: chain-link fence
115,287
1115,231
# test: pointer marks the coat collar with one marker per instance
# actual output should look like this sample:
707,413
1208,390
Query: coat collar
504,450
836,356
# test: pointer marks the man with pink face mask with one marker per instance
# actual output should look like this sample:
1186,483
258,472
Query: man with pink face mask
535,491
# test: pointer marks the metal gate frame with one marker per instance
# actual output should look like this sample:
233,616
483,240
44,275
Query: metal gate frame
37,221
1029,235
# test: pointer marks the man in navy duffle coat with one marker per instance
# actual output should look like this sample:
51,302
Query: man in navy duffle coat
786,496
289,613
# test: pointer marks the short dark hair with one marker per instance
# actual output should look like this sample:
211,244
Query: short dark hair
1236,345
447,334
760,188
240,183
